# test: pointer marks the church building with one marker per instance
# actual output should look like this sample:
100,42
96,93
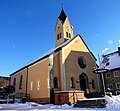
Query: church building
67,67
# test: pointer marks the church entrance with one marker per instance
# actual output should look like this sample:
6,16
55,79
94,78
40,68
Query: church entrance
84,82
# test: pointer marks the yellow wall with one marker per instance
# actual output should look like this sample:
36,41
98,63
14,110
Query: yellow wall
71,52
38,79
62,64
57,31
63,28
58,68
17,76
67,28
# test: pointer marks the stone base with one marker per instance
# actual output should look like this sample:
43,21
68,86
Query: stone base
68,97
91,103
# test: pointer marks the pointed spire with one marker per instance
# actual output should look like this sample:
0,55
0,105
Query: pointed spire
62,16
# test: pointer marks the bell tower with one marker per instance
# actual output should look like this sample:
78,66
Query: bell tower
63,29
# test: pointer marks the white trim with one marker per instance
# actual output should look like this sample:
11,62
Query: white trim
110,86
117,92
116,73
117,85
108,75
63,71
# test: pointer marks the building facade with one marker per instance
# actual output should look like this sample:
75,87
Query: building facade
112,78
67,67
4,81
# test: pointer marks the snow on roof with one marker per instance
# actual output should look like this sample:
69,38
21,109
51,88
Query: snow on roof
45,54
51,52
111,61
48,53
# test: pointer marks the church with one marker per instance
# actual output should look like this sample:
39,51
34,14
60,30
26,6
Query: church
67,67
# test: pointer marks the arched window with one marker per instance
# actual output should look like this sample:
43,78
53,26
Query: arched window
93,84
14,82
81,62
67,34
20,83
55,82
72,82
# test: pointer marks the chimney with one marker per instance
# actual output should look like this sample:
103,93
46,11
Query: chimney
119,51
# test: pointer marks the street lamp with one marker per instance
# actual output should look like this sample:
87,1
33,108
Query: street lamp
101,71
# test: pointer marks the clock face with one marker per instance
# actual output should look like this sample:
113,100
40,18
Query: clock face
67,26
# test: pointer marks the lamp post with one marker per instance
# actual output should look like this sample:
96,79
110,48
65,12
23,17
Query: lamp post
101,71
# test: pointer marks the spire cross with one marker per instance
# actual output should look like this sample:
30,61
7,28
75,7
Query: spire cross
62,5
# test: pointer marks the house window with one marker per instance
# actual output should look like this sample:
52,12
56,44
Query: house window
72,82
55,82
117,92
93,84
81,62
108,75
66,34
116,74
110,86
117,85
20,83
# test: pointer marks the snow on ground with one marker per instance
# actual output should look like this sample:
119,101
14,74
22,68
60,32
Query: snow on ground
113,105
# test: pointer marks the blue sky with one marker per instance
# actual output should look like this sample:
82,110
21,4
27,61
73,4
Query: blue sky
27,28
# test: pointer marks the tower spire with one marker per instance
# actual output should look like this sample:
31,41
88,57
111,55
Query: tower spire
63,30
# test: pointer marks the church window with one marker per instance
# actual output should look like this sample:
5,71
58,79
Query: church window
55,82
14,82
72,82
66,34
31,85
48,81
93,84
60,34
20,83
81,62
57,36
38,85
69,35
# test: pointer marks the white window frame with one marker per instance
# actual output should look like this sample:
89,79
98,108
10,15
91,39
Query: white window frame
117,85
110,86
108,76
117,92
116,74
